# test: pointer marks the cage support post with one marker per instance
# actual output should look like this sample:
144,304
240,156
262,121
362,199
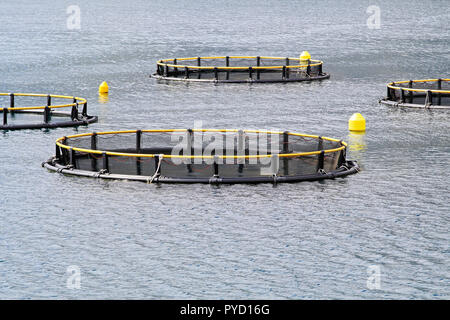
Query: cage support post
138,166
320,146
84,112
94,141
429,98
342,155
216,167
216,73
47,109
5,116
285,150
64,151
320,162
57,153
138,141
258,64
410,93
250,73
286,142
73,161
12,102
287,69
439,85
46,114
65,156
175,69
138,150
105,162
199,71
93,147
189,137
240,150
74,113
402,95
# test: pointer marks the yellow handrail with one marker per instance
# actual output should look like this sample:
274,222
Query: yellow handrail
79,101
164,62
59,143
392,86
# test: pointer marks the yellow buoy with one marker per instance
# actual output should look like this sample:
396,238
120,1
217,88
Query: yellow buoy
357,122
305,57
103,87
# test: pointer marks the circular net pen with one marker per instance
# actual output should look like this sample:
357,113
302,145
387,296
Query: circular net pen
240,69
428,93
55,111
202,156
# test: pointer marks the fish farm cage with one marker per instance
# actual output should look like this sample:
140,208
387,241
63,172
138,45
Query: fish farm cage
56,111
202,156
428,93
240,69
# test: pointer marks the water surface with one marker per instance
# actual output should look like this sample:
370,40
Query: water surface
296,241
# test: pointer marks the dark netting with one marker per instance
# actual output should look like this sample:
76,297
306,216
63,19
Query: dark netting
430,93
240,69
37,111
205,156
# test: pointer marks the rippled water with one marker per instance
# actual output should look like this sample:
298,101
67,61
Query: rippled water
306,240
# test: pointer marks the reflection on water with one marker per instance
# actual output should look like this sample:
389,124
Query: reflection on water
103,109
357,146
103,98
356,141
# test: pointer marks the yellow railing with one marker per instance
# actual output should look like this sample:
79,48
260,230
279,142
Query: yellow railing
60,143
165,63
77,101
393,86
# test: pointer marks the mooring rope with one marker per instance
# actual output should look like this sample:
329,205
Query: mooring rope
161,157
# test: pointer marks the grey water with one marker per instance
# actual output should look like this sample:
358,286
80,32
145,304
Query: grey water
314,240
